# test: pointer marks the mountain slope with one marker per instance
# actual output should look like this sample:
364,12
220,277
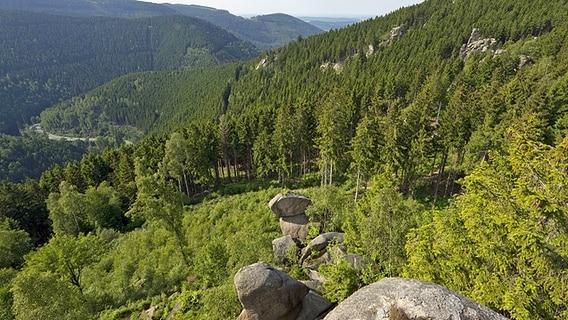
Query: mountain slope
89,8
408,104
145,101
46,59
266,31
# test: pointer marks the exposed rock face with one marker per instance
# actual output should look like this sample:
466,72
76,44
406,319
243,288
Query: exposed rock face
265,62
270,294
476,44
281,245
524,60
409,299
395,34
295,226
289,204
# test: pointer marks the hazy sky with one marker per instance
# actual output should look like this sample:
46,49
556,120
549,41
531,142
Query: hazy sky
323,8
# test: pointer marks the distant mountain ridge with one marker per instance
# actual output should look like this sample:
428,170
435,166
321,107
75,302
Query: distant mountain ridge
326,23
265,32
46,58
89,8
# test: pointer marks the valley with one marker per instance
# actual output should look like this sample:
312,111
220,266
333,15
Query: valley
429,144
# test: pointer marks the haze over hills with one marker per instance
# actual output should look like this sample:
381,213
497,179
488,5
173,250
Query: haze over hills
332,23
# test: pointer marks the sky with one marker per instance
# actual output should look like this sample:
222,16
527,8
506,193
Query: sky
303,8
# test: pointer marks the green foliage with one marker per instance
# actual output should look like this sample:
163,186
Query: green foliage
72,212
136,104
158,201
410,111
6,297
378,230
30,154
72,55
14,244
31,301
24,204
341,280
331,208
504,244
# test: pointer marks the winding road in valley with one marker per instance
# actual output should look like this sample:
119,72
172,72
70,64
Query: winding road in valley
37,129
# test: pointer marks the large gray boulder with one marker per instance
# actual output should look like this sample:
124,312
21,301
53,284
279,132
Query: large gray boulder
270,294
295,226
289,204
401,298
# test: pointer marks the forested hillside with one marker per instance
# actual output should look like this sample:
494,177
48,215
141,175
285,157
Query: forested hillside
90,8
434,137
46,59
132,106
264,31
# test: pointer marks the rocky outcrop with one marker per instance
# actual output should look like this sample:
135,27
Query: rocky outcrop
266,293
290,208
395,34
265,62
399,298
524,60
476,44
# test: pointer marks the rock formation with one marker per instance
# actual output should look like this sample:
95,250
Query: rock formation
291,208
476,44
270,294
395,34
399,298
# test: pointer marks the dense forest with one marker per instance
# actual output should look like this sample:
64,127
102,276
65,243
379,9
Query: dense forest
46,59
439,151
136,104
89,8
264,31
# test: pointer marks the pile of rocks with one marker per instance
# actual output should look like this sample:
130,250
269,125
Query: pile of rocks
267,293
290,208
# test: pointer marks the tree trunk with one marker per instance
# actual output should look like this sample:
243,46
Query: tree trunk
357,184
440,174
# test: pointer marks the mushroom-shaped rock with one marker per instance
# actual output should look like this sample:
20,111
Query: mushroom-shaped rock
295,226
409,299
281,246
270,294
289,204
